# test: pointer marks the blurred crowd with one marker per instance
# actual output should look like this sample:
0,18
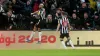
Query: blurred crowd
82,14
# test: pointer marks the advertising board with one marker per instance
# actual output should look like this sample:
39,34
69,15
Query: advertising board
50,40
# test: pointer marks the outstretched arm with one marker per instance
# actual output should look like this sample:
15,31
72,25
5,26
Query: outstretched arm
36,12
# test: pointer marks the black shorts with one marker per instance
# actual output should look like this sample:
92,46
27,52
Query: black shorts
64,35
35,22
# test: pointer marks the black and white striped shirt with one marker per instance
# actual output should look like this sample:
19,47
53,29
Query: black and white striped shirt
42,13
63,25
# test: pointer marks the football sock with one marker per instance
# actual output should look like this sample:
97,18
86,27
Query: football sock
63,43
31,36
71,43
40,34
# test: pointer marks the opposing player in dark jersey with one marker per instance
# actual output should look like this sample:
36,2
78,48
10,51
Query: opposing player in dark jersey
64,26
38,16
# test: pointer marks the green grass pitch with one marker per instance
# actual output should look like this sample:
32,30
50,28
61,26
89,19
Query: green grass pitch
49,52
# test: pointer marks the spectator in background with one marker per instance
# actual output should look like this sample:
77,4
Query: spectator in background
27,9
1,8
96,22
83,9
53,9
1,16
86,22
82,1
24,1
35,5
9,6
8,20
92,7
48,5
73,6
5,4
49,21
93,4
98,6
75,22
66,6
16,7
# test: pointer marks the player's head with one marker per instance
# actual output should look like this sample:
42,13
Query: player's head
59,10
41,5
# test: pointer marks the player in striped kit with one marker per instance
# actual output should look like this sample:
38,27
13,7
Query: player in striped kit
64,26
39,16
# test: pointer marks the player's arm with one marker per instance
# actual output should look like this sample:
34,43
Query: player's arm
34,12
69,26
58,26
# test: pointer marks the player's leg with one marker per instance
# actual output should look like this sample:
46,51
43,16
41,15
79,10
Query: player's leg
69,40
61,39
40,34
32,33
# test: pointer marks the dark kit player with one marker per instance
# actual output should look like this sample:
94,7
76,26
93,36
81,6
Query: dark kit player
38,17
64,26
